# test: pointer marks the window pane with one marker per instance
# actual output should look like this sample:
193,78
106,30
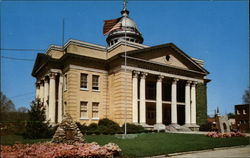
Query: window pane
83,110
84,81
95,82
95,110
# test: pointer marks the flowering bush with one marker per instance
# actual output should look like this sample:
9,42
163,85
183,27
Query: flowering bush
52,150
225,135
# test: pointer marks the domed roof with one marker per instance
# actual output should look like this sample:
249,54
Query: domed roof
127,22
127,31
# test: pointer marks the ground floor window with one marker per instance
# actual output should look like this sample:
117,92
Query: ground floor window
95,110
83,109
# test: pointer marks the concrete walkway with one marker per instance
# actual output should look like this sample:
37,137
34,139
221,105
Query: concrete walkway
237,152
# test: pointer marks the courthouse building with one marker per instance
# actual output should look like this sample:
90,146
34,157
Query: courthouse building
148,85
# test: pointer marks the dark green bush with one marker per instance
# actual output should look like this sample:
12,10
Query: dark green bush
206,127
107,126
82,127
92,129
132,128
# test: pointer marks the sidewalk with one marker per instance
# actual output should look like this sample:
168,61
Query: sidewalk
237,152
200,132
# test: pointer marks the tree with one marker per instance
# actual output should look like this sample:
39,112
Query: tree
37,126
246,96
6,104
231,115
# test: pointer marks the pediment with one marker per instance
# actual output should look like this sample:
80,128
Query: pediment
170,59
169,55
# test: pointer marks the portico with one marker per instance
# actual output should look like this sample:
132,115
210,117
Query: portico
152,104
49,92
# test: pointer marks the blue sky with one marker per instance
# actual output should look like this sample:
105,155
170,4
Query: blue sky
215,31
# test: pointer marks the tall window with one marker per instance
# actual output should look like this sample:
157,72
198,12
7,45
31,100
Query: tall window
83,109
95,110
84,81
95,82
244,112
65,82
238,112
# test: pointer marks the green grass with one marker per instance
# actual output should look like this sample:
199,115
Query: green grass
165,143
152,143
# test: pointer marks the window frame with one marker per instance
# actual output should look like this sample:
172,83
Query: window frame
86,82
97,104
84,110
98,83
244,112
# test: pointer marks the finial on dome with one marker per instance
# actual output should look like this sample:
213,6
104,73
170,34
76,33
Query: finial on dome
124,5
124,11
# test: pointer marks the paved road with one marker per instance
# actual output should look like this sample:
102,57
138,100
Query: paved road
238,152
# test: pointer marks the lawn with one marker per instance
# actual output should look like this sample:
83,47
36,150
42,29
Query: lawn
153,143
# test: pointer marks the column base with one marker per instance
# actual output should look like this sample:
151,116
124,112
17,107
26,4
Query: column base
136,123
188,125
175,125
194,127
159,126
144,125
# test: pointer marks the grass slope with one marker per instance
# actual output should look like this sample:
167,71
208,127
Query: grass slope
164,143
151,143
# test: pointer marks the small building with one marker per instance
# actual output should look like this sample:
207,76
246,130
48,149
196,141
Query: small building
242,117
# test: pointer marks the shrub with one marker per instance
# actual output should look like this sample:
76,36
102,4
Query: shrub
82,127
92,129
51,150
132,128
206,127
225,135
107,126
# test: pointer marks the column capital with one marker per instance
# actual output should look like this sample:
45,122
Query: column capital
52,75
160,77
46,80
175,80
135,74
188,83
194,83
42,80
37,84
143,75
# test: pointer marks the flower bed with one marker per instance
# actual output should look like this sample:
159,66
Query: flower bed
225,135
52,150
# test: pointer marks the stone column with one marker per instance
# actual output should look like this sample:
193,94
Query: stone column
174,102
142,99
46,93
159,124
41,92
159,100
37,90
187,104
135,97
60,99
52,98
193,103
